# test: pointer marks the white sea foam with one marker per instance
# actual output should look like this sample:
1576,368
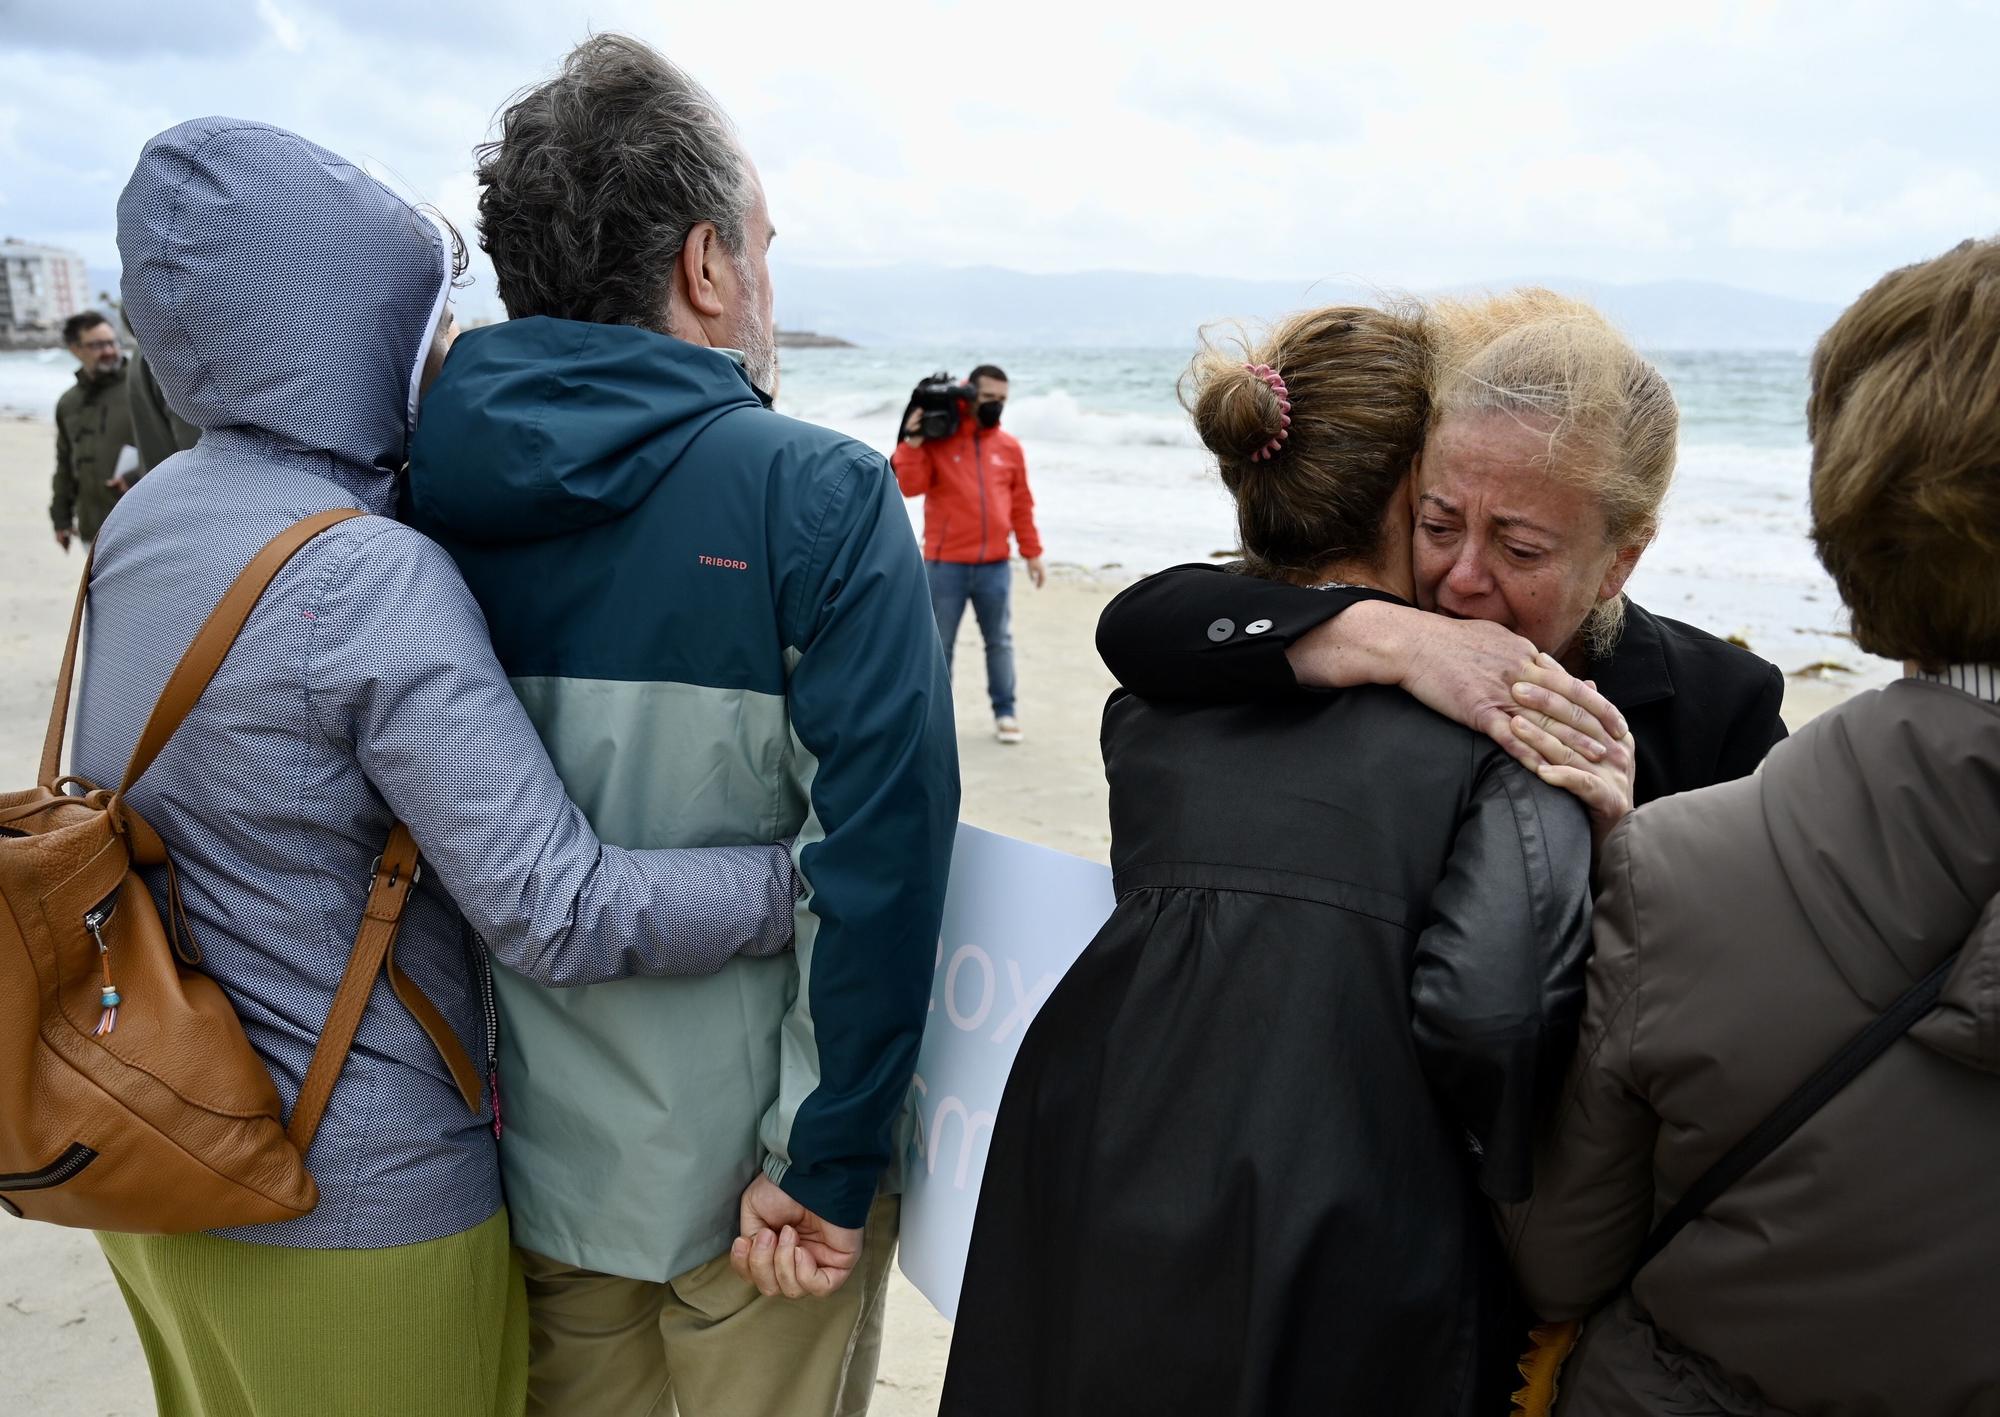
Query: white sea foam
1735,556
1122,486
32,380
1056,417
1061,417
848,408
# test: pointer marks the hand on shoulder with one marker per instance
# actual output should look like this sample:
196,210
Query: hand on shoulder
1580,742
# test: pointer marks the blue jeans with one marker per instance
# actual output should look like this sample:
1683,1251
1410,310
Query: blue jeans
986,586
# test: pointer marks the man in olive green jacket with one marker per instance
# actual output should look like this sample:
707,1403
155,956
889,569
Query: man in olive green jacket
93,426
157,430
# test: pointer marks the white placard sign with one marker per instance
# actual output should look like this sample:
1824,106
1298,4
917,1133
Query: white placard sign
1016,917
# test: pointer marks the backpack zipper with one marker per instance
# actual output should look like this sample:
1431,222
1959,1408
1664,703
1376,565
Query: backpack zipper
65,1168
94,918
94,921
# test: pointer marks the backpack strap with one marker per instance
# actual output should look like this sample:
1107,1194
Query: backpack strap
218,633
1795,1111
52,743
397,872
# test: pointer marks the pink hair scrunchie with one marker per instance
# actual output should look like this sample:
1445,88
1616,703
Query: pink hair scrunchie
1284,397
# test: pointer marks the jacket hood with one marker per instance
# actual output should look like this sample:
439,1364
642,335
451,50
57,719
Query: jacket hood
275,286
1885,814
538,427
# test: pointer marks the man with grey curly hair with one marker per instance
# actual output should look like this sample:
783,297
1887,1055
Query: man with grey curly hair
718,621
595,187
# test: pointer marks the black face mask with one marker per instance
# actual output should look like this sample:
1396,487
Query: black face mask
989,414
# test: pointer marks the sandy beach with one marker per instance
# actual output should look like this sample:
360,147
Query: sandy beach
66,1344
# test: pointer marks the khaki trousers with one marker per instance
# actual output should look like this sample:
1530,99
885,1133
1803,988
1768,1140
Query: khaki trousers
705,1343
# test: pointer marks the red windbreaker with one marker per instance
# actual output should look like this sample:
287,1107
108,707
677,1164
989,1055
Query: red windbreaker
975,490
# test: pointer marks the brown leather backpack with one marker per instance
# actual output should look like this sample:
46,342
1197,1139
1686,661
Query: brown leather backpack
130,1098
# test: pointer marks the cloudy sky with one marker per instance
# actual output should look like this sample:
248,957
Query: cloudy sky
1790,147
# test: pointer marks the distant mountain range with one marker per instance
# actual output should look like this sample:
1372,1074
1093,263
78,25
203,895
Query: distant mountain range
918,306
922,305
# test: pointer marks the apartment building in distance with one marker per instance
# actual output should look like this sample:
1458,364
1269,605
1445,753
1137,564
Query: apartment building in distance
40,286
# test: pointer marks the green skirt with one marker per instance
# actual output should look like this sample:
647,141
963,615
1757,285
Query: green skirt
237,1330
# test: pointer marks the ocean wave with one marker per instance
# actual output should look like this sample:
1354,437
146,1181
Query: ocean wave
1699,451
1055,418
839,410
1060,417
31,380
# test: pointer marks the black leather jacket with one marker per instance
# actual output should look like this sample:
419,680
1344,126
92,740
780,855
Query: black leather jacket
1345,965
1367,822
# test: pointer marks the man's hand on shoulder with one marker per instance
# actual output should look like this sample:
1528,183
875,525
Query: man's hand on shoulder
786,1249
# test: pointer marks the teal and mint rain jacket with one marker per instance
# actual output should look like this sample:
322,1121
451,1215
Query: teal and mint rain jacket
717,618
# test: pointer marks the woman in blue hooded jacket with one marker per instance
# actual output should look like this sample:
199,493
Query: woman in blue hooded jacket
293,308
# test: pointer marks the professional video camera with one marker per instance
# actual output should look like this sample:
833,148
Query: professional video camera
944,401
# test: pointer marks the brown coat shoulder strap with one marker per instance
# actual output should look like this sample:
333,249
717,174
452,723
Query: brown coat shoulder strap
218,633
52,743
396,872
396,875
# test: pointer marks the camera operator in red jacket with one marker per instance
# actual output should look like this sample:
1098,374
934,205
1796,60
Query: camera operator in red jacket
974,482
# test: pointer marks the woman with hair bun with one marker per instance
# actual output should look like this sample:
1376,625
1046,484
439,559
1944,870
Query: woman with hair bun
1548,457
1245,1157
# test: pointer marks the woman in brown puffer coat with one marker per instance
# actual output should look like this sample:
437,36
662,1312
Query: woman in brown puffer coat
1745,932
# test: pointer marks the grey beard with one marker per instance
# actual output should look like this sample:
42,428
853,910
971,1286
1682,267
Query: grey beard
759,345
760,358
